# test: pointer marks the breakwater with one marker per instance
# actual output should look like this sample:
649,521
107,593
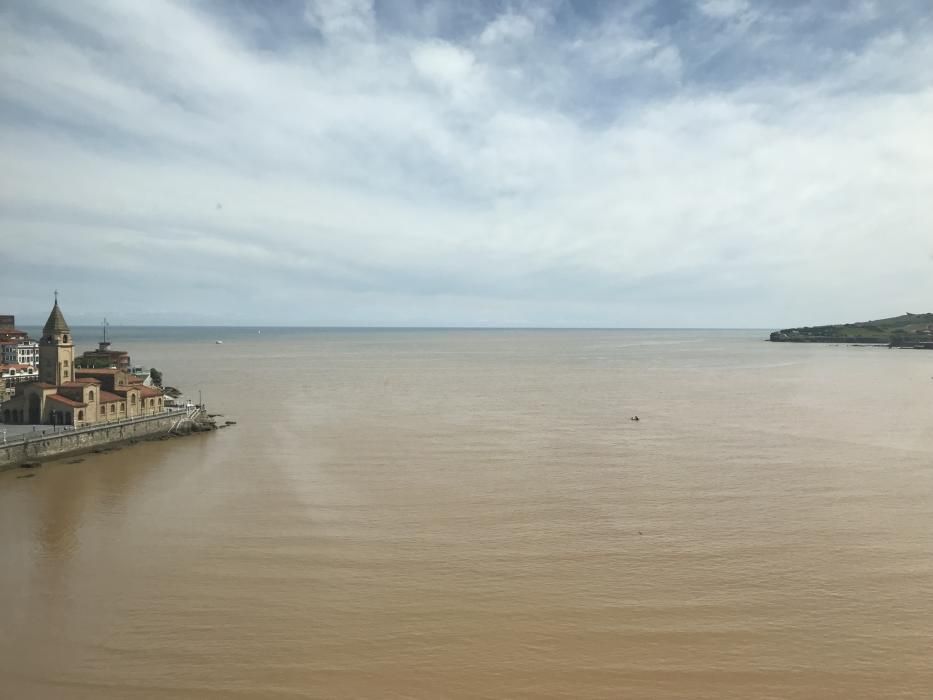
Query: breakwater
33,447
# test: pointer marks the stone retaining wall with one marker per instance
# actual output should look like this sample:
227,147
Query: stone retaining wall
68,442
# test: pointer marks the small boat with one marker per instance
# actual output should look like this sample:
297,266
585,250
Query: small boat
219,342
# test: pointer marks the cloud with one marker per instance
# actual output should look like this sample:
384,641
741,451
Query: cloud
443,63
541,165
507,27
723,8
341,18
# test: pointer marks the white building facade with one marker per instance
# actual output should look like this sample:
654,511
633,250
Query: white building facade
11,374
24,352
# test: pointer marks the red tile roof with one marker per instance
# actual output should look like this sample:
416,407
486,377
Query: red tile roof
82,370
149,392
123,390
107,397
89,380
58,398
74,385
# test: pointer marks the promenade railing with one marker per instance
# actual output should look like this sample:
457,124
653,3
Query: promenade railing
49,431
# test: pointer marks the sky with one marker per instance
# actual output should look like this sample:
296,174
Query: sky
650,163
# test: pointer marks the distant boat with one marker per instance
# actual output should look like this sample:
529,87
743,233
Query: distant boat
219,342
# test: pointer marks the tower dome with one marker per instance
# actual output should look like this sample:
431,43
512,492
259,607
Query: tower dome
56,349
56,323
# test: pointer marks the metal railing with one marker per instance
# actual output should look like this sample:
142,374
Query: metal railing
61,430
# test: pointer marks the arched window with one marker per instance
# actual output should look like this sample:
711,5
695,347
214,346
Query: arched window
90,395
65,339
6,416
103,410
113,408
80,415
133,399
151,403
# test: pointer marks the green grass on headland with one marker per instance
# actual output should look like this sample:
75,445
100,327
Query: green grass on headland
909,330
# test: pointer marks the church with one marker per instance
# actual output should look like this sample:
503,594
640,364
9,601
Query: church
66,395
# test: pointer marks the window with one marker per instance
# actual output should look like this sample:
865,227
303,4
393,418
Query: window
133,399
113,408
64,338
151,403
103,410
90,395
66,363
80,415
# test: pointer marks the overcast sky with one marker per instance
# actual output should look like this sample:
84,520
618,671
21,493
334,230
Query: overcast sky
645,163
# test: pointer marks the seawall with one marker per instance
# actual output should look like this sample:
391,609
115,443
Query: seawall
53,445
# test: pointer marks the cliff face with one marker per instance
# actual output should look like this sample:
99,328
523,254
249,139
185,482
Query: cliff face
909,330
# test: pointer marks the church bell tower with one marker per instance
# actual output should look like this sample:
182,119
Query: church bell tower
56,349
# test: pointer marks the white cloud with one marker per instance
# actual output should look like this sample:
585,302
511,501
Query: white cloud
445,65
666,61
507,27
619,50
404,175
340,18
722,9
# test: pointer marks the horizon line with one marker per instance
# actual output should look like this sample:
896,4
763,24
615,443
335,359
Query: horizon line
428,327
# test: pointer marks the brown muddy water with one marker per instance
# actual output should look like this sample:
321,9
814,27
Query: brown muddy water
472,514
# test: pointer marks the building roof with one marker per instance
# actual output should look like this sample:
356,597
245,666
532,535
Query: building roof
88,380
16,366
81,370
56,322
74,385
105,353
149,392
58,398
10,335
107,397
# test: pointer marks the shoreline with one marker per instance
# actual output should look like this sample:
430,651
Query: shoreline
33,450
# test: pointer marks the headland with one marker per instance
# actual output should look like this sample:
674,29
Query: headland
906,331
54,404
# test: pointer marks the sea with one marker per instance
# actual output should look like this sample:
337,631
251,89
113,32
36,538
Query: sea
473,514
